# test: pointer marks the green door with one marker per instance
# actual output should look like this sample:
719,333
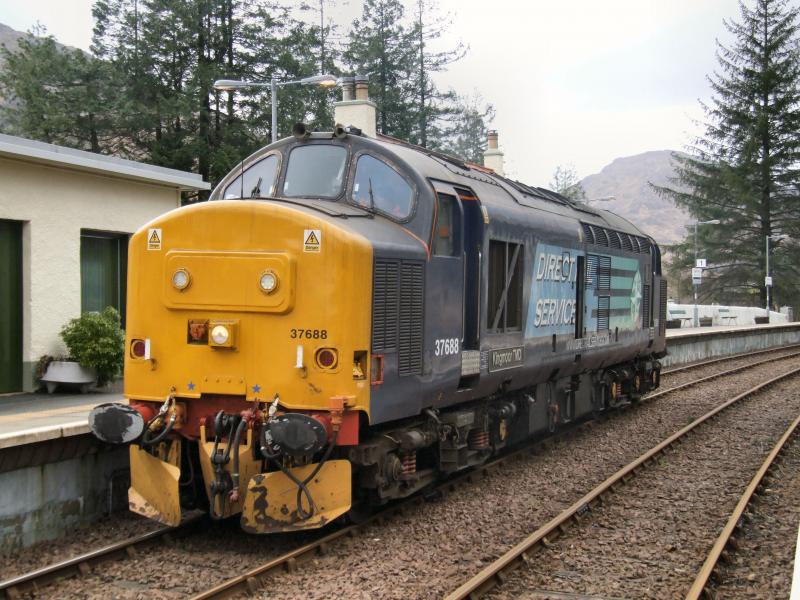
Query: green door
10,306
104,262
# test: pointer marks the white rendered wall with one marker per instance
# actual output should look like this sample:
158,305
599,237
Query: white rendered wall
55,204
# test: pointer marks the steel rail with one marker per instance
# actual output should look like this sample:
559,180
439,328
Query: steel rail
726,537
498,571
250,581
712,361
82,564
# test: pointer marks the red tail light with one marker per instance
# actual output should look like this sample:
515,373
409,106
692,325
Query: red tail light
138,348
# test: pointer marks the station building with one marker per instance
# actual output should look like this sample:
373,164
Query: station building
65,219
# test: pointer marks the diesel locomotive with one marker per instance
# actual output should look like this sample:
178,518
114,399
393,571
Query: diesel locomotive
349,319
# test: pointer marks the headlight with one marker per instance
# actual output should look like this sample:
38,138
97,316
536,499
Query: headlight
181,279
268,282
220,335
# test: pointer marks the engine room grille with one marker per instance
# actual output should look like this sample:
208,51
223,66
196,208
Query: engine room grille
600,236
385,298
646,307
662,306
603,312
412,312
398,301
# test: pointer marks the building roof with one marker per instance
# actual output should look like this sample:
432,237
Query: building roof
40,152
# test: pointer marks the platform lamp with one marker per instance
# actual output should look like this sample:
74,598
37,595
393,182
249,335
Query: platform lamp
229,85
695,319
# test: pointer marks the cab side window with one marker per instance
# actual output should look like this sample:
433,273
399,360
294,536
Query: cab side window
378,186
444,238
259,178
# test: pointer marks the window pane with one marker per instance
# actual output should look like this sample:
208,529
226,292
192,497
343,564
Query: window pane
444,238
378,185
505,276
315,171
103,272
258,180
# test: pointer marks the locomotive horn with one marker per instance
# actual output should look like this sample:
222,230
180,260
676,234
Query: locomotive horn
300,131
339,131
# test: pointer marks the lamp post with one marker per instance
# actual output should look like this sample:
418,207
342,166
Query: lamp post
228,85
767,278
696,284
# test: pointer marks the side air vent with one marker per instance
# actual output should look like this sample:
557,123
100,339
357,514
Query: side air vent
600,236
626,242
412,312
385,305
613,238
603,312
662,306
646,307
603,272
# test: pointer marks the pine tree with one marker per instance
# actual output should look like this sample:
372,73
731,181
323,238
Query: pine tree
381,46
566,182
745,170
430,104
466,129
57,95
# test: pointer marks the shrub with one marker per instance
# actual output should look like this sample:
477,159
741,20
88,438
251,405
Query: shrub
96,341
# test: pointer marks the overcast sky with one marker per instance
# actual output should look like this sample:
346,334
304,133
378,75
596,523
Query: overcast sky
574,82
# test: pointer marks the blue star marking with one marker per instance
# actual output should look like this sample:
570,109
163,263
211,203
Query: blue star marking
256,389
190,386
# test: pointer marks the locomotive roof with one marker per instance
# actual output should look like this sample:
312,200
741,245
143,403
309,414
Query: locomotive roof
440,166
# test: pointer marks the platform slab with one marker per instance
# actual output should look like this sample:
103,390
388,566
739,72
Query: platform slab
30,418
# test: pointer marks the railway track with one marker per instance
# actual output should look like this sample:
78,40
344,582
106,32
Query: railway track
83,564
252,581
289,561
524,552
727,542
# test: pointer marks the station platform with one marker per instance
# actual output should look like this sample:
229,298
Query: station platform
31,418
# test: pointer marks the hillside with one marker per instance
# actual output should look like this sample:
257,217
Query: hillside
627,180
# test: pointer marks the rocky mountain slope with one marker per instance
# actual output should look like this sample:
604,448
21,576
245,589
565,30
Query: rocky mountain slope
628,180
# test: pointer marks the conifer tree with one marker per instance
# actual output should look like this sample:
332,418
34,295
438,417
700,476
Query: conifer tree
465,131
567,183
381,46
744,171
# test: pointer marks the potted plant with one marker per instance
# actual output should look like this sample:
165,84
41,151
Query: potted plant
96,345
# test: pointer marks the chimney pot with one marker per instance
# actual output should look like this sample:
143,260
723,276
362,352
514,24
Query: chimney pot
362,87
493,140
348,88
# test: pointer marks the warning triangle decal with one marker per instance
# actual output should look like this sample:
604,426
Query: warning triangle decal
154,238
312,239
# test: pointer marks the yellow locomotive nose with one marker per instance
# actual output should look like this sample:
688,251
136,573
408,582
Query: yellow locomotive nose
240,304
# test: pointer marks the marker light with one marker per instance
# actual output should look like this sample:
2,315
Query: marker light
327,358
220,335
181,279
138,348
268,282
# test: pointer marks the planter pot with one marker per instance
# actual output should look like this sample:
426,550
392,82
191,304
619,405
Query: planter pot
706,321
62,372
762,320
673,323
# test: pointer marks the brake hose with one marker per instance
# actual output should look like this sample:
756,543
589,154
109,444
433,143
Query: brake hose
302,486
148,441
237,438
